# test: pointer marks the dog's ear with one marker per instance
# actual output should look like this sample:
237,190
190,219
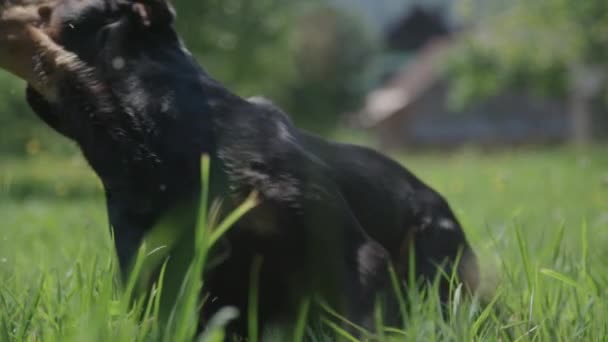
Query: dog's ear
154,13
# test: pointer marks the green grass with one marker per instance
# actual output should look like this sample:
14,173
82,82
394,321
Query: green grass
538,220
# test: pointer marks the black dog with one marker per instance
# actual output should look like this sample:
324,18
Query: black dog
114,76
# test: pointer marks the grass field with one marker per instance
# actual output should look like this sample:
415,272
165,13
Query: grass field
538,220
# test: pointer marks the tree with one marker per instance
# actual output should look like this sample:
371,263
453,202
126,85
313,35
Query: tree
553,47
245,44
332,51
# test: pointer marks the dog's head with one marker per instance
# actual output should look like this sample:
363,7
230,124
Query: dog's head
87,56
124,87
108,34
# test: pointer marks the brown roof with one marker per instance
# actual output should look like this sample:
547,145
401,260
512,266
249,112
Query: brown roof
413,80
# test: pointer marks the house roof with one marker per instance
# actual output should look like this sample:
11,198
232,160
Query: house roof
380,15
407,85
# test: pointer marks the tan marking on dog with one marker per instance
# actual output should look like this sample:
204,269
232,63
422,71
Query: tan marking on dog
468,271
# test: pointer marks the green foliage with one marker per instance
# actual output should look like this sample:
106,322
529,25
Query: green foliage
538,227
332,50
21,132
245,44
528,44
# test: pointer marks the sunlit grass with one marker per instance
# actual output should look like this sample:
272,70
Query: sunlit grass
538,220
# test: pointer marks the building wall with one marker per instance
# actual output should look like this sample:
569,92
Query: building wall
512,118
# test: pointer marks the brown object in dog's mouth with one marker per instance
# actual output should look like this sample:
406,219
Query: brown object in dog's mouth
19,42
10,3
17,15
25,11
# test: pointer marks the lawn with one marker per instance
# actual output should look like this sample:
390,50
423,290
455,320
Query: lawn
537,218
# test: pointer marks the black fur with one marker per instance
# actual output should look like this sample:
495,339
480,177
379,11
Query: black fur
332,215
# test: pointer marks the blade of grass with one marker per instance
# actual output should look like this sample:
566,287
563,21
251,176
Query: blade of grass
157,300
5,329
29,310
340,331
203,211
559,238
560,277
398,294
302,321
584,247
378,321
485,314
341,318
252,309
184,311
250,203
525,257
127,299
